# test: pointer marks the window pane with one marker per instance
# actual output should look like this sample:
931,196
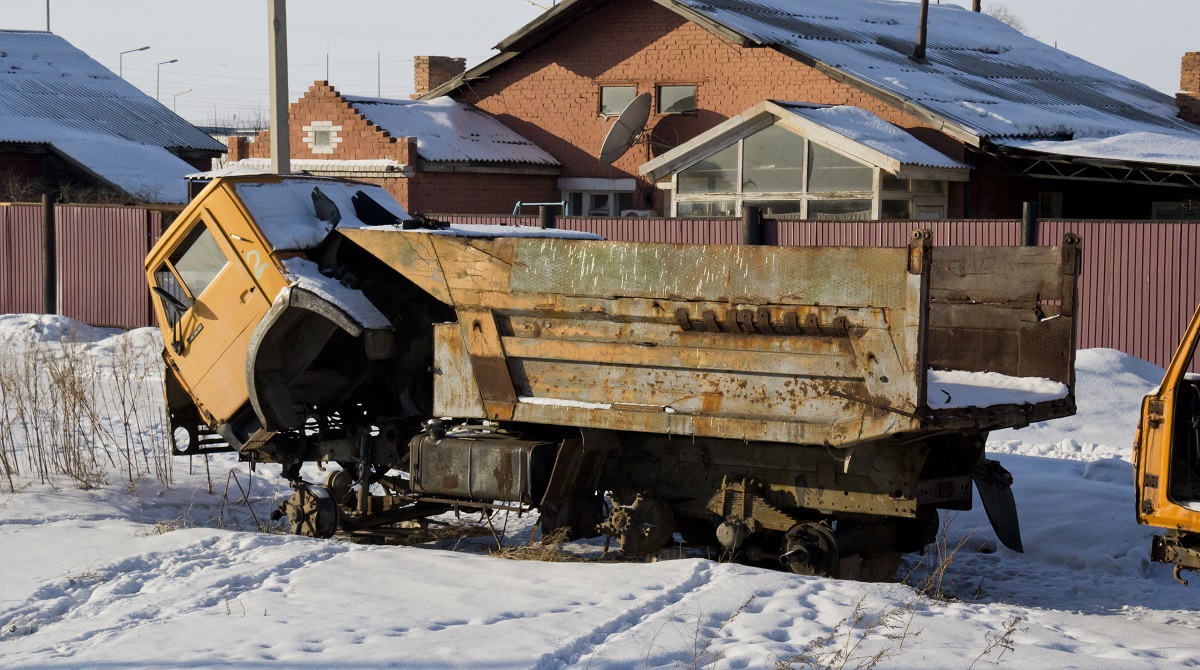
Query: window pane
676,99
708,209
831,172
773,161
614,99
165,280
624,202
575,203
926,186
198,260
599,204
890,183
776,207
715,174
839,210
894,209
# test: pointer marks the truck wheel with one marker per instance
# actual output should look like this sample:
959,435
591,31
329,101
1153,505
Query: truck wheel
809,548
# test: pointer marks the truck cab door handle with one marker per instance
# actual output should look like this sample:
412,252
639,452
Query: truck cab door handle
245,295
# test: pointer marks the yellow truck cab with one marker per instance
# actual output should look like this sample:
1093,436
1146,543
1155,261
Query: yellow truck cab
238,249
1167,460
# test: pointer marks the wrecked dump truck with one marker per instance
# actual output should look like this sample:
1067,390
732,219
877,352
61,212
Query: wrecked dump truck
813,407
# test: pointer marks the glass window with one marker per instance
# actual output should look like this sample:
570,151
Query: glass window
624,202
839,210
707,209
676,99
715,174
575,204
198,260
599,204
773,160
894,209
891,183
831,172
165,280
928,187
614,99
776,207
322,139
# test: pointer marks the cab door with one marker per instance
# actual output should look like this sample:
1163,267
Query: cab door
212,301
1167,449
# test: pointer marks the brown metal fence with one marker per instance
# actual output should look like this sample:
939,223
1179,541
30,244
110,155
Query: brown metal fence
1138,289
99,252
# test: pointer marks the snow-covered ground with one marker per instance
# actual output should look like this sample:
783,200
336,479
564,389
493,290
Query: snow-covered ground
148,576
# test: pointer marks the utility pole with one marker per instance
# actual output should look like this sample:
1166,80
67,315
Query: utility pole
47,15
280,133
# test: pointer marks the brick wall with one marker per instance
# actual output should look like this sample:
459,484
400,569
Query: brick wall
356,138
429,72
550,94
1189,87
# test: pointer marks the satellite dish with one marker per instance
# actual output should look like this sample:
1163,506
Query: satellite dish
626,131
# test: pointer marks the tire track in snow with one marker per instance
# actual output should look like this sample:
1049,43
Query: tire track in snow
586,646
164,584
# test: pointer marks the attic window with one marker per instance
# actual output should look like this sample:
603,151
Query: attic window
322,137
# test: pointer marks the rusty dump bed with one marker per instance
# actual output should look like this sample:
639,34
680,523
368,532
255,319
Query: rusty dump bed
823,346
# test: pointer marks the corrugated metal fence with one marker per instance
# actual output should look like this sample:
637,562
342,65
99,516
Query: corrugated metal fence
1138,289
100,252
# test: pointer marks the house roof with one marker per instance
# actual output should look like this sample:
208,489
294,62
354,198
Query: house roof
851,130
981,81
52,93
448,130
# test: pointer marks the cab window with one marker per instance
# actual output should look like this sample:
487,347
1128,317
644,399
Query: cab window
198,260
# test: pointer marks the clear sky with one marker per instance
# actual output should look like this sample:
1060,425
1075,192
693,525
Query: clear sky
221,45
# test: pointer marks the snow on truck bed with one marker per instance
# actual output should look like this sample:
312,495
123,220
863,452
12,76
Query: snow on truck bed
956,389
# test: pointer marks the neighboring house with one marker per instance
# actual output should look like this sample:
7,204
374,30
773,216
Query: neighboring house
67,121
1011,119
433,156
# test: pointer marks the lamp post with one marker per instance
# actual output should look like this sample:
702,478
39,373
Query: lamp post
121,60
175,98
158,75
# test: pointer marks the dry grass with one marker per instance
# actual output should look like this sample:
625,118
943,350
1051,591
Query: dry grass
548,549
70,409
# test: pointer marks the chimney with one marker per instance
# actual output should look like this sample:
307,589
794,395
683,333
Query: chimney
1188,97
922,33
977,6
429,72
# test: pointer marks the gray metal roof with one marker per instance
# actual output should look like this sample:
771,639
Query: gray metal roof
980,75
50,91
447,130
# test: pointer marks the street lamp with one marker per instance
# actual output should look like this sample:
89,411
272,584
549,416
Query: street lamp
175,98
121,60
158,75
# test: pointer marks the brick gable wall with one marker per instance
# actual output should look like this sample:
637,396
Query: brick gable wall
359,139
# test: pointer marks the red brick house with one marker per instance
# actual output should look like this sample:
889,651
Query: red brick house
1028,122
433,156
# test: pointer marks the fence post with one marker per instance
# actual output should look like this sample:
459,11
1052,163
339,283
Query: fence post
49,258
751,225
545,217
1029,224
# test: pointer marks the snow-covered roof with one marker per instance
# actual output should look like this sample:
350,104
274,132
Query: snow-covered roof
447,130
332,166
979,74
52,93
1135,147
981,81
859,125
851,130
